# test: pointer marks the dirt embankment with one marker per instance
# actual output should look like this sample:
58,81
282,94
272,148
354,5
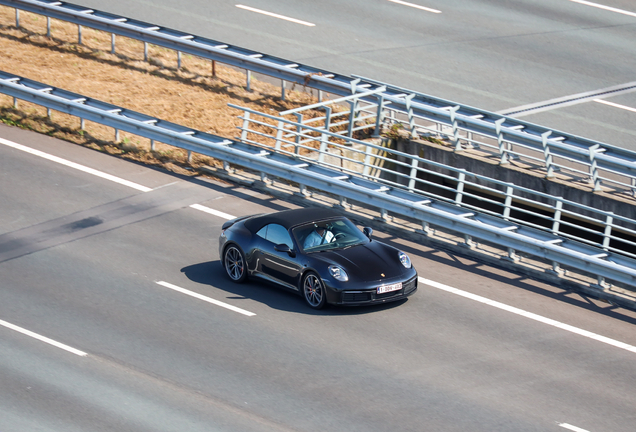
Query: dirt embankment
190,96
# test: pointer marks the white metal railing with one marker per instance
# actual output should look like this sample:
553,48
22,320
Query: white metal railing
564,218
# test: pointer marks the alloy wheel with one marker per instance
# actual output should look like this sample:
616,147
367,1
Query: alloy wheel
314,291
234,264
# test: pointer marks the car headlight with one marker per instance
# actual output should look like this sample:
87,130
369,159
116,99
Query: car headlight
405,260
338,273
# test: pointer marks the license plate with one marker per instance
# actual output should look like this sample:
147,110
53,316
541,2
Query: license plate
388,288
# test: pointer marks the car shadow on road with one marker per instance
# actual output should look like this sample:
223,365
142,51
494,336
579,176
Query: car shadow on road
211,273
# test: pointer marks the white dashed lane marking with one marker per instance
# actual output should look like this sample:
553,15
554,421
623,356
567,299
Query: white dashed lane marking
530,315
74,165
42,338
274,15
615,105
607,8
416,6
206,299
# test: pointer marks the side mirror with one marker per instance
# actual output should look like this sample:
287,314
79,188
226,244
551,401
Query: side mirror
367,232
284,248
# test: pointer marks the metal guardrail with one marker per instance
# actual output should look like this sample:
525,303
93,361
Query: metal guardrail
472,225
430,179
505,137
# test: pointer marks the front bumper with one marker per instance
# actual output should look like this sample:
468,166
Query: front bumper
367,295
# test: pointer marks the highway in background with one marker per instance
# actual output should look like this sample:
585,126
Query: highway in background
491,54
115,314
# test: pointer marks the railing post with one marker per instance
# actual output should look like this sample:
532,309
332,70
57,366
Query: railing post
596,181
469,242
607,234
426,229
179,63
556,269
413,174
556,224
248,74
282,89
279,135
145,51
460,188
392,120
328,118
409,110
299,131
601,283
547,155
79,34
512,255
384,215
379,117
227,167
302,191
366,169
508,202
17,17
48,27
324,138
352,116
500,142
246,125
112,43
343,203
453,119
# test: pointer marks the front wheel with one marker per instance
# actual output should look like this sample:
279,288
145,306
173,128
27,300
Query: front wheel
314,291
235,264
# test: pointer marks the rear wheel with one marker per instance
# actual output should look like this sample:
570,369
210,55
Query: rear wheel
314,291
235,264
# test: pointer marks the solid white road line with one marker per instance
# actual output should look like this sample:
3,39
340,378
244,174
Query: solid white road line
608,8
283,17
572,428
43,339
74,165
416,6
615,105
530,315
206,299
212,211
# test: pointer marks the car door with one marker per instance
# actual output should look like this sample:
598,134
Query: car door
279,266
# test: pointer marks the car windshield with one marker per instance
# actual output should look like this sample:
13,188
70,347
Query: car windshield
328,235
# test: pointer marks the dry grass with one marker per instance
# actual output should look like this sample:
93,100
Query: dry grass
189,96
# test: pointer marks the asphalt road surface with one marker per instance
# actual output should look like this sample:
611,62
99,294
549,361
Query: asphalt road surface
491,54
115,315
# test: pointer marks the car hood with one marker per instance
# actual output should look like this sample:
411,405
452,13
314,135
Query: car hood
372,261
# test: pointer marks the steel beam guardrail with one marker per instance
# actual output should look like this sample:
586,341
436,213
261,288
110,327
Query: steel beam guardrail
596,157
505,234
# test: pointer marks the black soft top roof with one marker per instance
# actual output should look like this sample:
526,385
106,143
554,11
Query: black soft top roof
290,218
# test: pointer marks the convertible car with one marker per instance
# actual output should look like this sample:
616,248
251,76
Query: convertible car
317,253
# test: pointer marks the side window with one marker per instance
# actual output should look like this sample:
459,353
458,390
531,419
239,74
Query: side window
277,234
262,233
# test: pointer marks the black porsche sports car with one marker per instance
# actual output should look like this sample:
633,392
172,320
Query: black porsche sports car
317,253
